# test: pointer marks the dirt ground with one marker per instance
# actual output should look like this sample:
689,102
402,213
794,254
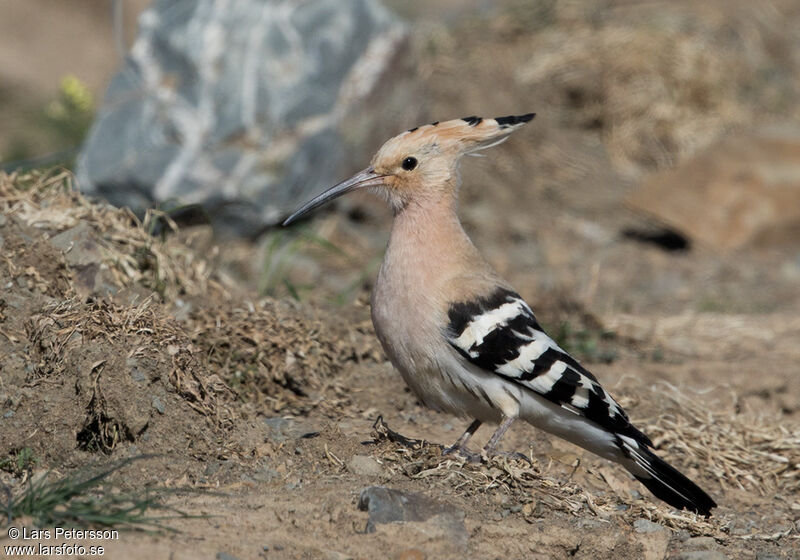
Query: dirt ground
248,376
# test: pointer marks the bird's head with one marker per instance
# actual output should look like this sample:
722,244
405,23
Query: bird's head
421,162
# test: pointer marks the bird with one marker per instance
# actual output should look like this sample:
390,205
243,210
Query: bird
464,341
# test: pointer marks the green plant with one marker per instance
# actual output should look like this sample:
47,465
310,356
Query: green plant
69,115
585,343
18,462
282,246
84,500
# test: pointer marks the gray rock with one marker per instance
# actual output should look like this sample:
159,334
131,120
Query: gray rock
84,256
646,526
239,106
701,555
225,556
78,245
282,429
386,505
159,405
702,543
3,220
364,466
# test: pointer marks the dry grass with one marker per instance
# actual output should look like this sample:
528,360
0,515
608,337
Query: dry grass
49,201
743,451
280,355
57,339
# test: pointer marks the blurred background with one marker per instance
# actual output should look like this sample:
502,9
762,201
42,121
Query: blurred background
662,170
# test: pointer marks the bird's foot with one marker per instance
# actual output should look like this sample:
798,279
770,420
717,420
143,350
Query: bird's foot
487,456
464,453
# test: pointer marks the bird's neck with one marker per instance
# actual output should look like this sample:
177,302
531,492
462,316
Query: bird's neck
429,230
429,251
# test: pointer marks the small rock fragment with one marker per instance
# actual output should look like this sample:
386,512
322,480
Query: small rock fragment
364,466
158,405
646,526
702,555
283,429
386,505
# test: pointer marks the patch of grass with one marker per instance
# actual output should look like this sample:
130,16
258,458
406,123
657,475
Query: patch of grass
86,500
281,248
57,129
18,462
585,343
69,116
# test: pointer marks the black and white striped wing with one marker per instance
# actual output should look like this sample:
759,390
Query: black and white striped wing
501,334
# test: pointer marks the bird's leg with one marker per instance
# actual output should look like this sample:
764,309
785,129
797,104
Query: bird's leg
490,451
460,446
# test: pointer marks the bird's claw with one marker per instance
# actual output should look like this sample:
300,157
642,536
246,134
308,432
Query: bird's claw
464,453
508,454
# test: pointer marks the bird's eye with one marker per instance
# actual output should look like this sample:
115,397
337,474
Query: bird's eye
409,163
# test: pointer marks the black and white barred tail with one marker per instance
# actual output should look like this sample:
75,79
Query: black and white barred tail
664,481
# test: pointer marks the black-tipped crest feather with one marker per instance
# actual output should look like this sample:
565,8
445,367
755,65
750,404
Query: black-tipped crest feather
512,120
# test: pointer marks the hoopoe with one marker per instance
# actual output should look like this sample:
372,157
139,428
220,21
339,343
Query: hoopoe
464,341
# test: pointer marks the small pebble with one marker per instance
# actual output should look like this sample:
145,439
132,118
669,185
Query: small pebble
646,526
702,555
158,405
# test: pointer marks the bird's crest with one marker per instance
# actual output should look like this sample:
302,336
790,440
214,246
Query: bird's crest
467,134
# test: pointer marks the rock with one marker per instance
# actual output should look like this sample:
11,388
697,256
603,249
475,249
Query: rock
83,254
701,555
78,245
386,505
225,556
654,539
159,405
645,526
3,220
743,190
282,429
364,466
702,543
243,107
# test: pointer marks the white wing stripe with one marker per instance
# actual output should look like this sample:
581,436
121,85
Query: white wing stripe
527,355
581,397
485,323
544,383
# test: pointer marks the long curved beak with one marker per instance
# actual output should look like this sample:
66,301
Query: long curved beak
365,178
